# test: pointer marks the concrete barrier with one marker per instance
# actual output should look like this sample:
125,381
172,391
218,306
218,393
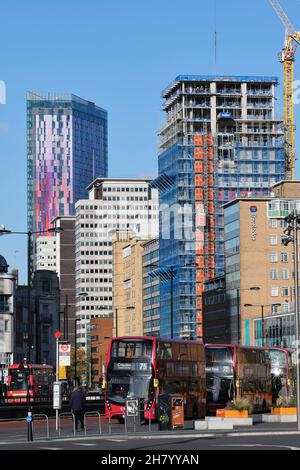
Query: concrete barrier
233,421
219,425
279,419
200,426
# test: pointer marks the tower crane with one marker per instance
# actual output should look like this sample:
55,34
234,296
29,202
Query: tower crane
287,57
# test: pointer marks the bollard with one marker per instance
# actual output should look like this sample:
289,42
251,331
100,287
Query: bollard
29,427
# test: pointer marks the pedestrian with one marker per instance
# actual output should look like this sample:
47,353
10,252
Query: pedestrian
77,402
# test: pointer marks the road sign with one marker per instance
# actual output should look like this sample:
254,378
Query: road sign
64,351
57,402
132,407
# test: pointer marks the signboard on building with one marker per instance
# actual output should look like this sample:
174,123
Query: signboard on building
253,212
64,351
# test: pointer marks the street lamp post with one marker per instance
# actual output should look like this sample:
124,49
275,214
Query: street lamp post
263,336
171,270
75,352
81,295
291,235
238,309
117,315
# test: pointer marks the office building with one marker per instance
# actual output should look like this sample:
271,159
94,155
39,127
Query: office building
259,268
46,253
128,285
8,314
221,140
216,326
46,306
101,330
114,204
66,272
151,293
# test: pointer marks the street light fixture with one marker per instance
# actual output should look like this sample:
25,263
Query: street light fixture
238,308
291,235
80,295
117,311
171,270
262,318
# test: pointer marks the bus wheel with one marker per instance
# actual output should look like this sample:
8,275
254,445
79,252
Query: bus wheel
264,407
195,412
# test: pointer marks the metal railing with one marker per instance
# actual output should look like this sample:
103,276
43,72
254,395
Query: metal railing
93,414
45,417
66,415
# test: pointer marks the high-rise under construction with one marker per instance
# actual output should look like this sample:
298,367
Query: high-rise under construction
221,140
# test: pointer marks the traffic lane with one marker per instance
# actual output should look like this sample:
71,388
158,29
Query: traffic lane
216,442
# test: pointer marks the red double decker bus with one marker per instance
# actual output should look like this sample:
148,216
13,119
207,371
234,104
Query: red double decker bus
238,372
29,381
144,367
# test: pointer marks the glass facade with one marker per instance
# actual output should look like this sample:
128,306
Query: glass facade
66,150
239,113
151,293
279,331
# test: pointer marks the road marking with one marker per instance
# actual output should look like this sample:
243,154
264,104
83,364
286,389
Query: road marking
50,448
259,445
86,445
117,440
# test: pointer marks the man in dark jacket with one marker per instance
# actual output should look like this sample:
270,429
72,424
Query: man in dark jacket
77,406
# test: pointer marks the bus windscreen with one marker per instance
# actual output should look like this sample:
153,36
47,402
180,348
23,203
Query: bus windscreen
219,375
19,379
129,372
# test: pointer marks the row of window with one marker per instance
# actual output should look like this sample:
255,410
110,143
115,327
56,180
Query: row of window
97,280
96,271
285,291
104,209
96,307
284,257
95,253
116,198
285,274
93,244
124,189
96,261
118,217
104,235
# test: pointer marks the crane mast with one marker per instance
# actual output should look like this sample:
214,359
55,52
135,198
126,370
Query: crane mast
287,57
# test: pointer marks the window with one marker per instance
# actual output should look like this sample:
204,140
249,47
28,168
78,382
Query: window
273,240
273,223
274,291
6,326
284,257
285,292
274,257
274,274
285,274
275,308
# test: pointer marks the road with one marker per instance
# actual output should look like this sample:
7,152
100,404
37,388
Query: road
165,445
260,437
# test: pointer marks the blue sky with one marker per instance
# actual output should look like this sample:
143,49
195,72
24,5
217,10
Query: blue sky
120,54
